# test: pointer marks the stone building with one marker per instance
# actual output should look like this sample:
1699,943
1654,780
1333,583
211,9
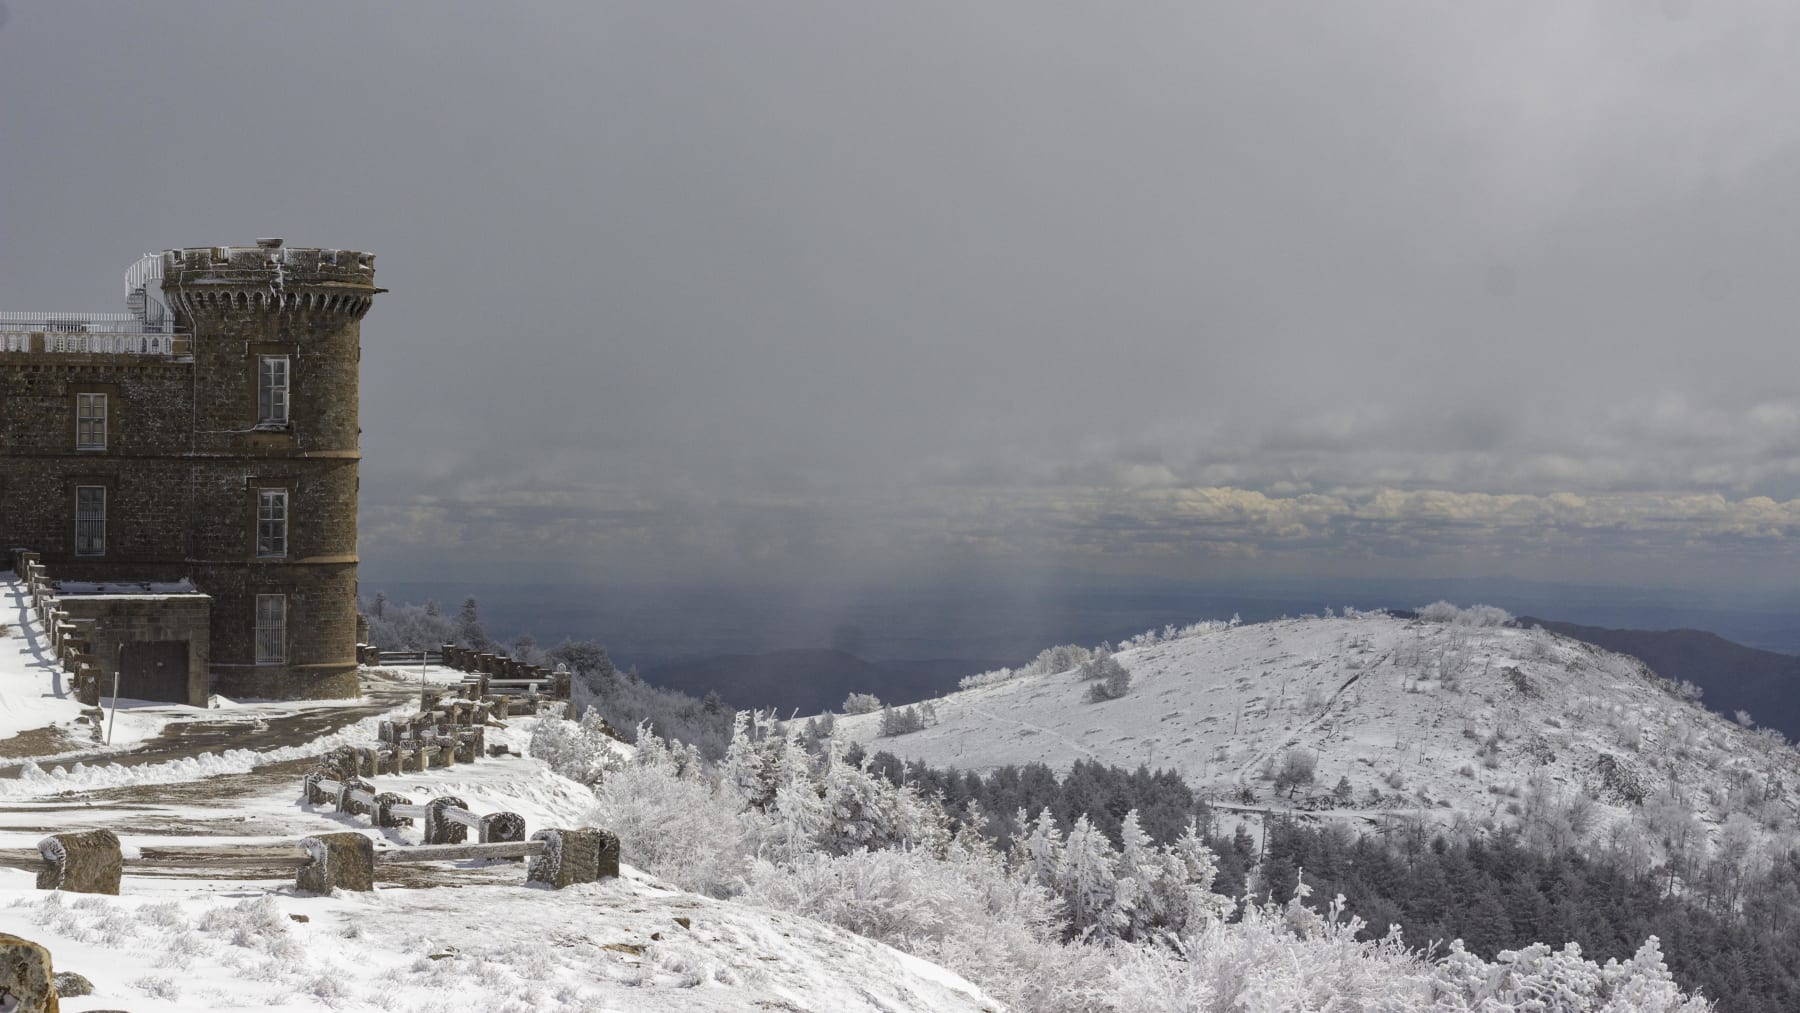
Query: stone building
198,451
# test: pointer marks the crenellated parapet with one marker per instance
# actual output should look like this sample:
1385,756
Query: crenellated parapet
269,277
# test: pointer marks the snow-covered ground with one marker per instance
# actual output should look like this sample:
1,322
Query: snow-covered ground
1431,716
172,947
476,938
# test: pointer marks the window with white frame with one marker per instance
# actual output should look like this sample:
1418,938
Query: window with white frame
90,520
272,391
271,629
271,522
90,422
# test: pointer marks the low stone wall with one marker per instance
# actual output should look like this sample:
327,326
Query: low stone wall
115,621
333,682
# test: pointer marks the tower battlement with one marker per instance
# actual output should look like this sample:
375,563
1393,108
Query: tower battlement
268,261
269,277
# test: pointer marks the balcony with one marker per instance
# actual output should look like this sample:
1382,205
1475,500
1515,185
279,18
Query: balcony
90,334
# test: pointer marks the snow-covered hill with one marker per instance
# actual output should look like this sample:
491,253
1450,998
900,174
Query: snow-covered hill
1412,715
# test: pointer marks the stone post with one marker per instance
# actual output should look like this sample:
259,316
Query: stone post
438,829
26,976
574,856
346,801
501,828
87,862
384,815
338,862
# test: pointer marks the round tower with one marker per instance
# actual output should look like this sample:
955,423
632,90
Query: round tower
275,342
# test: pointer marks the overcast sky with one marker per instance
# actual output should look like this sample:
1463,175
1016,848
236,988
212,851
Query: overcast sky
714,290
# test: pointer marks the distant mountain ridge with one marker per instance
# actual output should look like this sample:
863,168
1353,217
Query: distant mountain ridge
812,679
1732,676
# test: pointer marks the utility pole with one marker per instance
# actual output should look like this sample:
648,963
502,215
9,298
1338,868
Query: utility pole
115,710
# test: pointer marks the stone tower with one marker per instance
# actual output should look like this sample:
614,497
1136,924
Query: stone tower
277,339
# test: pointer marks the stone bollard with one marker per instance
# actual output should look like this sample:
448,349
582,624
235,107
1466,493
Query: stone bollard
438,829
502,828
311,792
341,762
366,762
384,816
609,856
338,862
26,976
87,862
574,856
346,802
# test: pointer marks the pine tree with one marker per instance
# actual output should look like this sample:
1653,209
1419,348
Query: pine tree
1088,881
468,627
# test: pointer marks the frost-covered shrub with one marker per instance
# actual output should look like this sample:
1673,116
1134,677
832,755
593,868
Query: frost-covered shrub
1171,633
862,703
1111,679
1292,957
1478,615
1049,661
578,750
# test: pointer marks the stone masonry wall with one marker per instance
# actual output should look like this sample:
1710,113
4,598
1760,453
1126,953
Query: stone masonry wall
187,452
115,620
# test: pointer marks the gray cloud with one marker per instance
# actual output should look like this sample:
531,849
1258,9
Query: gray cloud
698,289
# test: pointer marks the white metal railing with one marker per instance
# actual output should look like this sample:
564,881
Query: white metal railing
82,323
15,337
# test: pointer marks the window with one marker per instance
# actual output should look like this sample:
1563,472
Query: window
90,520
272,391
271,629
90,422
271,522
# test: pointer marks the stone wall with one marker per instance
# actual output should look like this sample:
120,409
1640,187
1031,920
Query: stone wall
111,621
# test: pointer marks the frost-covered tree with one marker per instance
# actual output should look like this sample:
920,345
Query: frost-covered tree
1297,767
580,750
900,722
862,703
468,627
1112,680
1088,880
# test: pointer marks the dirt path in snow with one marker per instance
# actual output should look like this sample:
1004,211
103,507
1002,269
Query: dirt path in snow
1039,729
1243,774
191,738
